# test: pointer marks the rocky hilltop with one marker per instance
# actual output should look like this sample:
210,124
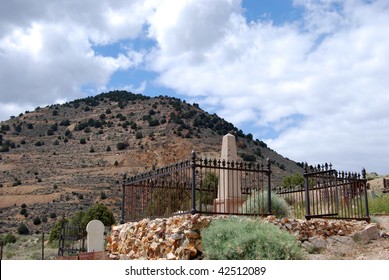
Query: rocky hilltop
62,158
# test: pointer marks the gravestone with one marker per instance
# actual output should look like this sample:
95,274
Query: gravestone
95,237
229,198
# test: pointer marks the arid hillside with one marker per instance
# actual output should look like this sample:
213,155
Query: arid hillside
63,158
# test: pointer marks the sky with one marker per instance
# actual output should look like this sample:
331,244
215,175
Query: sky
308,77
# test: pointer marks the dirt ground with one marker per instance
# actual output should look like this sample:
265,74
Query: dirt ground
345,248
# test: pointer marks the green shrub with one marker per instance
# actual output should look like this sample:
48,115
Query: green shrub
99,212
122,145
379,205
9,238
55,231
37,221
23,229
293,180
247,239
256,203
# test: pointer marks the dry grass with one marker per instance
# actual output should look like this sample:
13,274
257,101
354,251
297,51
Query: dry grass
29,247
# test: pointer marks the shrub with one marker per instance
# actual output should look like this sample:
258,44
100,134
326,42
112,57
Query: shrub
122,146
55,231
248,157
103,195
24,205
139,135
53,215
245,239
293,180
23,229
256,203
23,211
379,204
82,141
37,221
39,143
153,122
99,212
9,238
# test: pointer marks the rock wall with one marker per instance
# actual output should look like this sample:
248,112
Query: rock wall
179,237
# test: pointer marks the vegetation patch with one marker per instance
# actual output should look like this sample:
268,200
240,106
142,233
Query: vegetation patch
248,239
256,203
379,204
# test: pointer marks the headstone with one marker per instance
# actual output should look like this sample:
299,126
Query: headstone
229,197
95,237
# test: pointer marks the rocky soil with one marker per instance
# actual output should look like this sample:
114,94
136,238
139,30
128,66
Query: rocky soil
350,248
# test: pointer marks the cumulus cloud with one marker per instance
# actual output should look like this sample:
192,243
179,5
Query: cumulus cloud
46,48
321,79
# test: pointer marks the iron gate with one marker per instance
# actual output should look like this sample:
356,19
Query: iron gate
327,193
71,240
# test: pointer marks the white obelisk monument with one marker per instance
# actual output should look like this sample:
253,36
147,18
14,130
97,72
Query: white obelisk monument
229,197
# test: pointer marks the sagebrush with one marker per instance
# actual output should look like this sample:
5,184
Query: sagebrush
248,239
256,203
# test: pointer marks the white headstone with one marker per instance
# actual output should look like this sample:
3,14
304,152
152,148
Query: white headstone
95,238
229,196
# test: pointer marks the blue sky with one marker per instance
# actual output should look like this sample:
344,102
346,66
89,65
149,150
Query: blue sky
309,77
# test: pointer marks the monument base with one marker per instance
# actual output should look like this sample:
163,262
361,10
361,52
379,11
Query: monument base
228,205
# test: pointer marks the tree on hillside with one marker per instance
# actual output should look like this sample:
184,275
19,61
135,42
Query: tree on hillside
81,220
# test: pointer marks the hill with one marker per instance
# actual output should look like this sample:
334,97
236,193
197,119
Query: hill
62,158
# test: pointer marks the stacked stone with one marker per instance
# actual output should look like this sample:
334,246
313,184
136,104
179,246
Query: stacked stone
178,237
304,229
174,238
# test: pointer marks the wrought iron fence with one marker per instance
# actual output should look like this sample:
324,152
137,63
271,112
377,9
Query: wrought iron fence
328,193
71,240
213,186
207,186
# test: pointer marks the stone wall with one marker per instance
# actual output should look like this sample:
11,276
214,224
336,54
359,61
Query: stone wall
179,237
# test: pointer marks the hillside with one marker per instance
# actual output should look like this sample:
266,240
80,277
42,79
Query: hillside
63,158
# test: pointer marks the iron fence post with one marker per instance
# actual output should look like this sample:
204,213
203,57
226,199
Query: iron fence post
307,204
193,166
268,186
365,197
123,199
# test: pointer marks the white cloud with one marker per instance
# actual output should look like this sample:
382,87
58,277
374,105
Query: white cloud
46,49
330,67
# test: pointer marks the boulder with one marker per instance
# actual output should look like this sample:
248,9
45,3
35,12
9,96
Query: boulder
370,232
